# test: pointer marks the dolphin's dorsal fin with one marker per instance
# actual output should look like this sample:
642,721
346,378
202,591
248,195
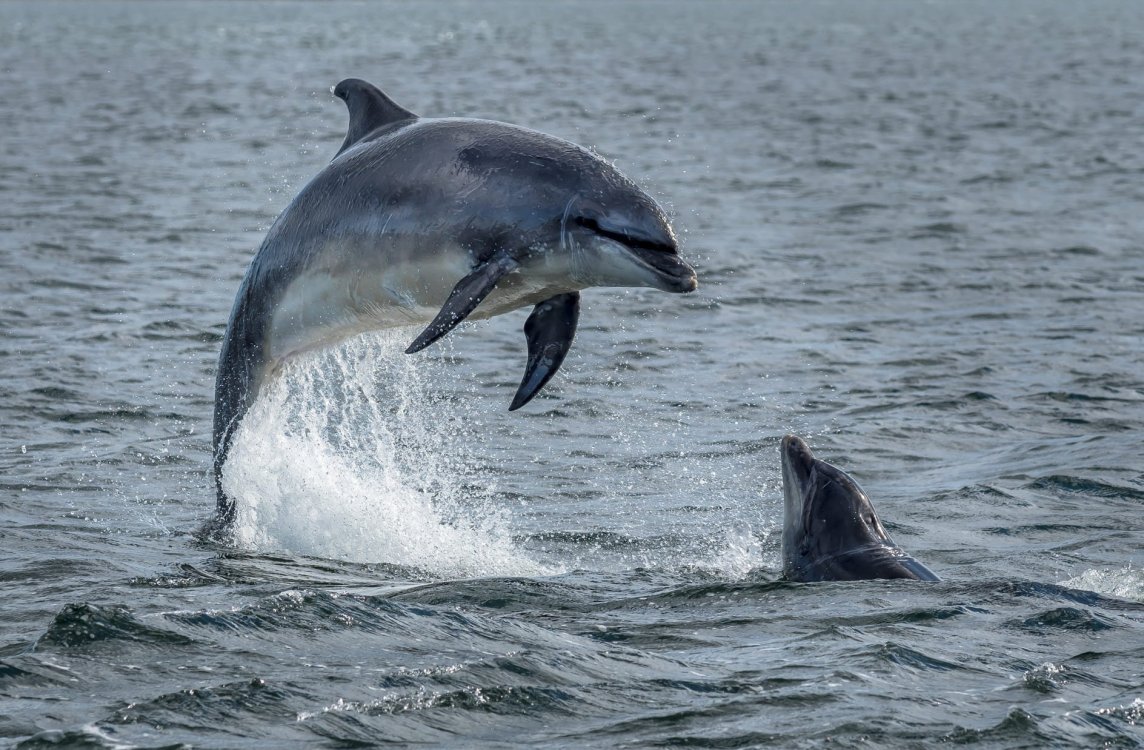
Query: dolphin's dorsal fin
369,109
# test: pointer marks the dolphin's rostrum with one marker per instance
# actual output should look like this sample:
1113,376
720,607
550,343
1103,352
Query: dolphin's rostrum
830,529
420,220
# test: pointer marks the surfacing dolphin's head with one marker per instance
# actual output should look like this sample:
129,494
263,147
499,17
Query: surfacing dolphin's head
830,529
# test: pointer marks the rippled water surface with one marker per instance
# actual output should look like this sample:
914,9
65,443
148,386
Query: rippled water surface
919,231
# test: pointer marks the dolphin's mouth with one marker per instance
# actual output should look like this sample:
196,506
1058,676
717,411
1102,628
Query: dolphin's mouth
661,258
797,461
797,467
676,273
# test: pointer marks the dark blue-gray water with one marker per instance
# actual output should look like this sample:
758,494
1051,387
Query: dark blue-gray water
919,230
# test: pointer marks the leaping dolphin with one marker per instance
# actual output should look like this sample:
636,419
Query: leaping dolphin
830,529
420,220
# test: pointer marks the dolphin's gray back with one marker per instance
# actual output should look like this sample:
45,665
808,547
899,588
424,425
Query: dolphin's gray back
476,181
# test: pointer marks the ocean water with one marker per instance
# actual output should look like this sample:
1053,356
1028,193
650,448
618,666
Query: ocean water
919,232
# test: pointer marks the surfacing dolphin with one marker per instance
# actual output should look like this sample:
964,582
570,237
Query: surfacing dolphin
420,220
830,529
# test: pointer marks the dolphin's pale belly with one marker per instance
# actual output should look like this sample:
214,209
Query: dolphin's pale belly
334,301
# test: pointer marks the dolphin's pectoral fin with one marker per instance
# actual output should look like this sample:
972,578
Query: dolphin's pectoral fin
464,298
550,329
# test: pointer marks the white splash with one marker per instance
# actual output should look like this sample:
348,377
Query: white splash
351,453
1126,582
739,554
